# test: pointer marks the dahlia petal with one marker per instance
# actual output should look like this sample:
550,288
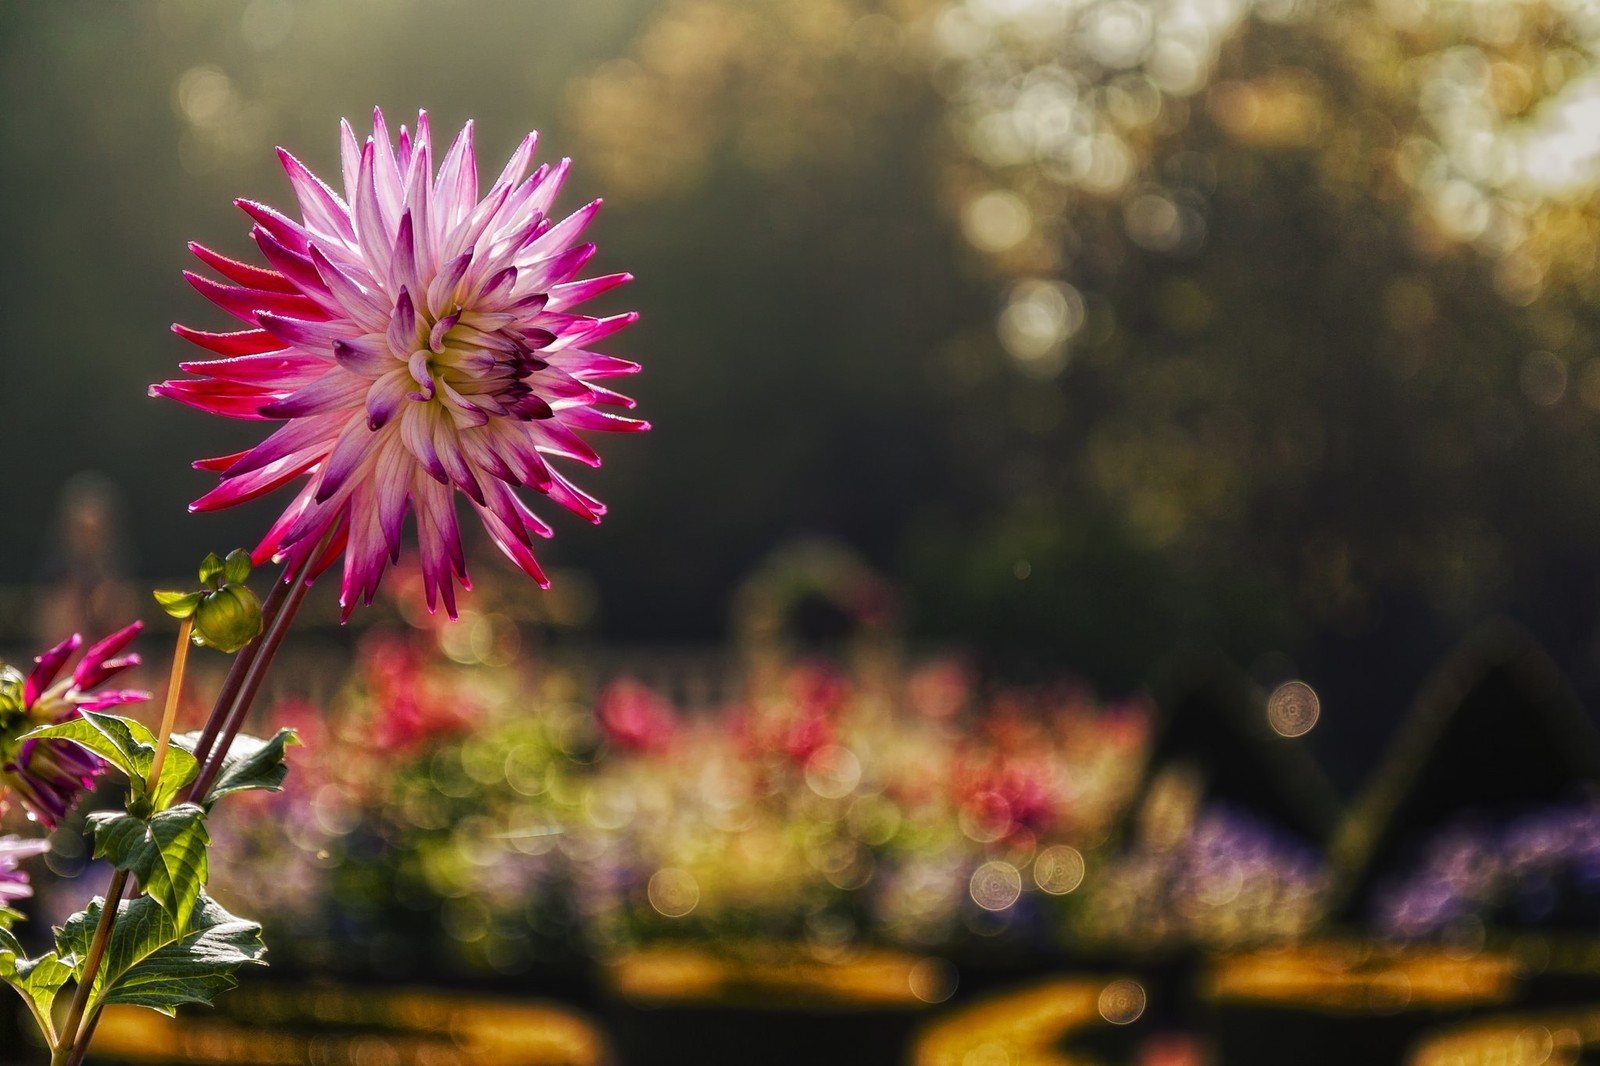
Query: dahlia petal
403,273
386,396
349,159
219,397
417,435
391,484
245,342
465,413
46,667
273,544
456,189
575,499
320,206
439,540
480,453
97,664
337,390
553,438
505,538
386,173
285,230
369,354
280,369
604,397
419,205
550,271
592,419
372,232
293,265
349,454
245,304
571,293
517,165
248,486
296,436
467,234
101,700
442,289
357,299
564,232
523,456
547,185
590,366
317,335
455,465
218,464
403,335
364,555
252,276
602,328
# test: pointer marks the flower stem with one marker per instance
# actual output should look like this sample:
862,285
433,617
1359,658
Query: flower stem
70,1051
180,659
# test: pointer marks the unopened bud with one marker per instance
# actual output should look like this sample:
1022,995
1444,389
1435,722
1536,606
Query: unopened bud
228,618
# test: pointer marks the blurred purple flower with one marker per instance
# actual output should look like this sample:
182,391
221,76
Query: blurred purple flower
416,340
14,882
48,775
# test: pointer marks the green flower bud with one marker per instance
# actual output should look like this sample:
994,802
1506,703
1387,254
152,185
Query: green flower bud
227,619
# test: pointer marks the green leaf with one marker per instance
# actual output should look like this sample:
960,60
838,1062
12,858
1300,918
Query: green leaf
211,568
236,567
149,963
36,980
252,763
178,604
122,742
167,854
179,769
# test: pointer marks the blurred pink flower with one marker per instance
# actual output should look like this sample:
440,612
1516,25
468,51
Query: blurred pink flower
634,717
411,706
48,775
416,340
14,882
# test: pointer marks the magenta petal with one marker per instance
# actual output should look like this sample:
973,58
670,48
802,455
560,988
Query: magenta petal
47,667
245,274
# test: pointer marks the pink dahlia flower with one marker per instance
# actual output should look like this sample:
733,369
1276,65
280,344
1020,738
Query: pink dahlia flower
416,340
14,882
49,775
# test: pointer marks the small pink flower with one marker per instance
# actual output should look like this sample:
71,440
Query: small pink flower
49,775
14,882
416,340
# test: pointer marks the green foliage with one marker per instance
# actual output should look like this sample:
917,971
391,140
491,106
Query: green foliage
153,962
130,747
36,980
251,763
167,854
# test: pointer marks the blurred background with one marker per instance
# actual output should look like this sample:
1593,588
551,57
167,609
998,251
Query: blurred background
1130,355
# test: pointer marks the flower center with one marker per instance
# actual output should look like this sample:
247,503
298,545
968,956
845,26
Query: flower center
475,365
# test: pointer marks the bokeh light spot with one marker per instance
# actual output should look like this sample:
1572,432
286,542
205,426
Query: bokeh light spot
1293,709
1122,1002
1059,869
995,885
673,892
